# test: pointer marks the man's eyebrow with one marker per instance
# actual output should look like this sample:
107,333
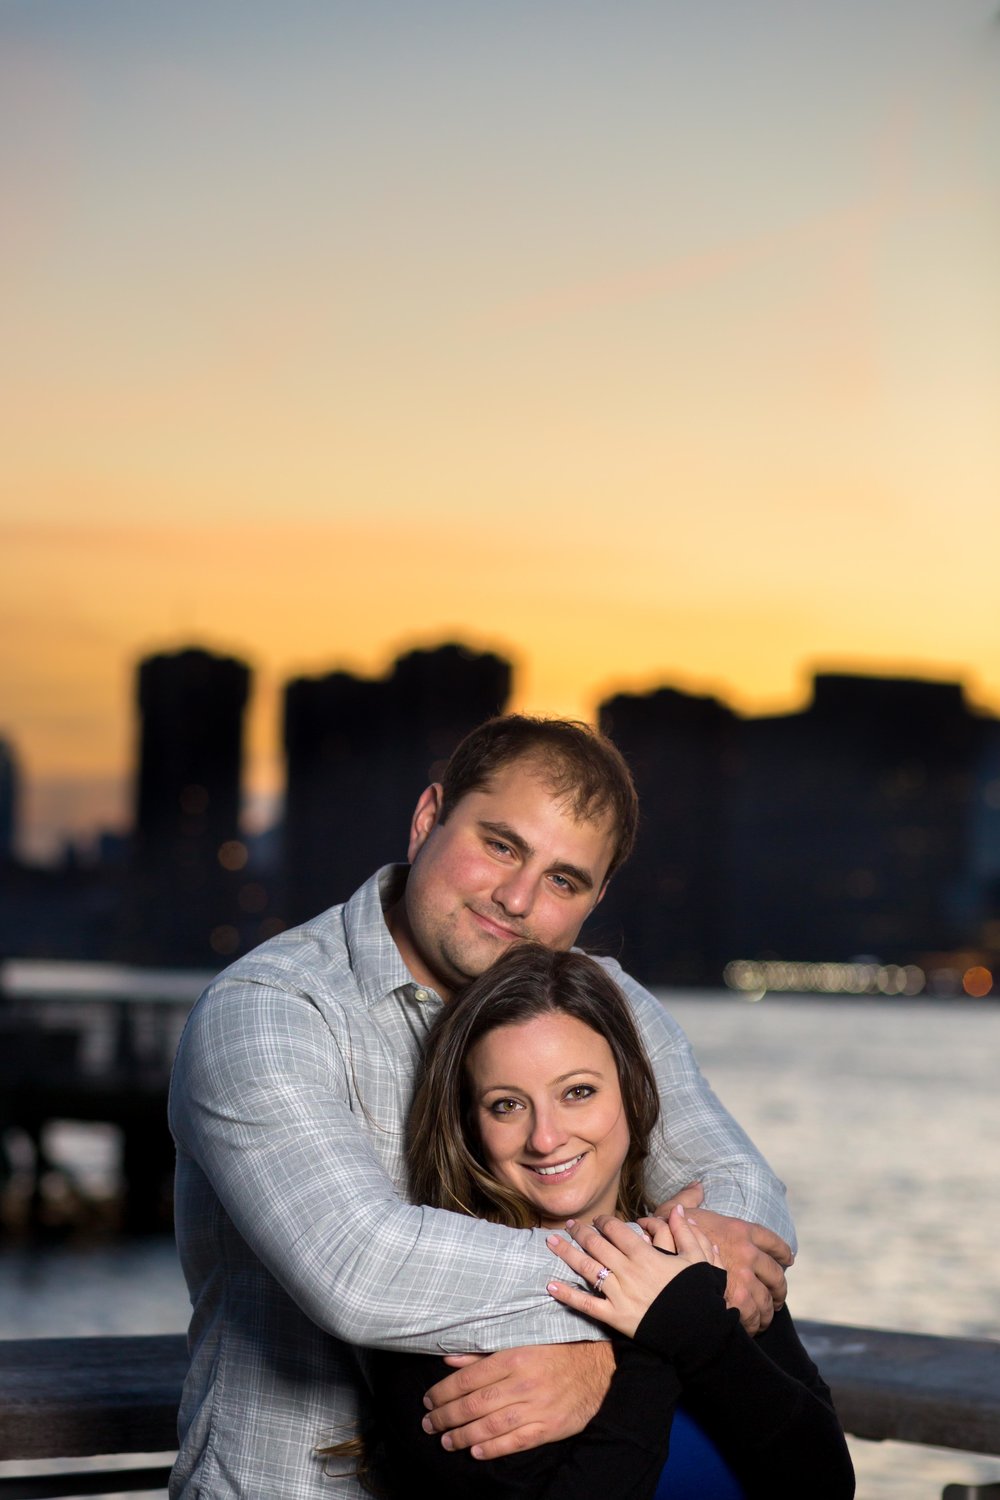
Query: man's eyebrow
582,877
514,839
508,835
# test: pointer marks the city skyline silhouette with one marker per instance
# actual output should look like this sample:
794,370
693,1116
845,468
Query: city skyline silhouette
862,829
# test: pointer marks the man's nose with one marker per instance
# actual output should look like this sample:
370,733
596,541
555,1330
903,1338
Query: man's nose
515,892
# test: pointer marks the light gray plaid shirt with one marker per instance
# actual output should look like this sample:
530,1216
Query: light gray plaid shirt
288,1105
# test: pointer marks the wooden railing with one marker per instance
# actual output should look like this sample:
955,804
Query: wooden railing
79,1397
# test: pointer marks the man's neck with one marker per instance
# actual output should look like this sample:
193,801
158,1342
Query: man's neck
398,923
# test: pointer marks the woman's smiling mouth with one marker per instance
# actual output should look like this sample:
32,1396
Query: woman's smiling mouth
560,1169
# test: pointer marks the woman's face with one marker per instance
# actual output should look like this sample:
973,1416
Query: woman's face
550,1114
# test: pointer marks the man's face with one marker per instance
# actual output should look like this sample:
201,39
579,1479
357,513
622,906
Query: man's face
510,863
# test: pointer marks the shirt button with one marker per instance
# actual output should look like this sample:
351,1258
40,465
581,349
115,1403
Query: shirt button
421,995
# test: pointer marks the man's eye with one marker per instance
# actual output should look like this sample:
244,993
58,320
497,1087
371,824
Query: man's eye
563,883
499,846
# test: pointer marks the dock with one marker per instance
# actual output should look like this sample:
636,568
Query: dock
94,1043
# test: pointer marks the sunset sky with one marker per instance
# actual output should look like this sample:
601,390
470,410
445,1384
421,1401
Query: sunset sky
645,343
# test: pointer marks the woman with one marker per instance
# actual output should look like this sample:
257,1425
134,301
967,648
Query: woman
534,1109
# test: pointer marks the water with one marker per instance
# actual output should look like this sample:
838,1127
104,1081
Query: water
883,1118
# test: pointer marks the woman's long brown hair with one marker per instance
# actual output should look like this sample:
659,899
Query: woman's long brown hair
444,1154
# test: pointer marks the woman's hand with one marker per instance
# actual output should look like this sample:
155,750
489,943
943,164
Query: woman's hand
637,1272
657,1227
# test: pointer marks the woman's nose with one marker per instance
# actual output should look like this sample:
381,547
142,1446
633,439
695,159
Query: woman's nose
547,1132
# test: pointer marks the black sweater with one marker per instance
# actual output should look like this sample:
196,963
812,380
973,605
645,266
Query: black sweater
761,1400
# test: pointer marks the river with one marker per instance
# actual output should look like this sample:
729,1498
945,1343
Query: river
882,1117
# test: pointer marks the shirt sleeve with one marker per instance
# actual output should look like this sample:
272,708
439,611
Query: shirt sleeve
697,1138
273,1159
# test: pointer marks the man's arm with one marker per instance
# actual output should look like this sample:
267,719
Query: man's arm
697,1140
700,1156
260,1106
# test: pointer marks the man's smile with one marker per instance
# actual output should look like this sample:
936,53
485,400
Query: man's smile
493,926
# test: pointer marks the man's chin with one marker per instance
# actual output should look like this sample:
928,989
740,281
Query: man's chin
475,958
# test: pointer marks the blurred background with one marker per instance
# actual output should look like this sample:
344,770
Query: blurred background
369,368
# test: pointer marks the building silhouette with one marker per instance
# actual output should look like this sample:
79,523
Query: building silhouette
866,824
188,860
360,751
666,907
9,785
853,831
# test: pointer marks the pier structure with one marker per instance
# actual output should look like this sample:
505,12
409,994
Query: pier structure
94,1043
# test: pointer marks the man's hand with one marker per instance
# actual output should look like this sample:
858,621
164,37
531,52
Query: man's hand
688,1197
519,1398
753,1257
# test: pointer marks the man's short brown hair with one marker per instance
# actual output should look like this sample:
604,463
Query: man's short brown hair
580,764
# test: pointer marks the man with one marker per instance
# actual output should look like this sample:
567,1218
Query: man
288,1106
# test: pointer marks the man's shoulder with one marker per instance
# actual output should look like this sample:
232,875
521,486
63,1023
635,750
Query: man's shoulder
625,982
650,1011
343,955
313,948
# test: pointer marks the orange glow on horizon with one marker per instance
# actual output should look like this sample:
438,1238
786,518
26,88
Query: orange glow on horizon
630,393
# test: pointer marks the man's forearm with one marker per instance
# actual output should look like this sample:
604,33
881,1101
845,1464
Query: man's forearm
697,1138
305,1192
756,1196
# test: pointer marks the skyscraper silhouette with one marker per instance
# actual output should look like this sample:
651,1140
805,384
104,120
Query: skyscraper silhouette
867,823
8,801
666,906
360,752
853,831
188,856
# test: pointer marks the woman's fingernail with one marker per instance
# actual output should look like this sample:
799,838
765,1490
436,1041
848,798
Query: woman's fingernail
553,1287
680,1210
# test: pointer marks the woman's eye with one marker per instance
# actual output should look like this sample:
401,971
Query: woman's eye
580,1091
504,1106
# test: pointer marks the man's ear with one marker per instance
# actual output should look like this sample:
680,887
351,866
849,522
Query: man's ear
600,894
426,817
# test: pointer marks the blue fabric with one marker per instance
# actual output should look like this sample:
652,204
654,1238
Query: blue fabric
695,1469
